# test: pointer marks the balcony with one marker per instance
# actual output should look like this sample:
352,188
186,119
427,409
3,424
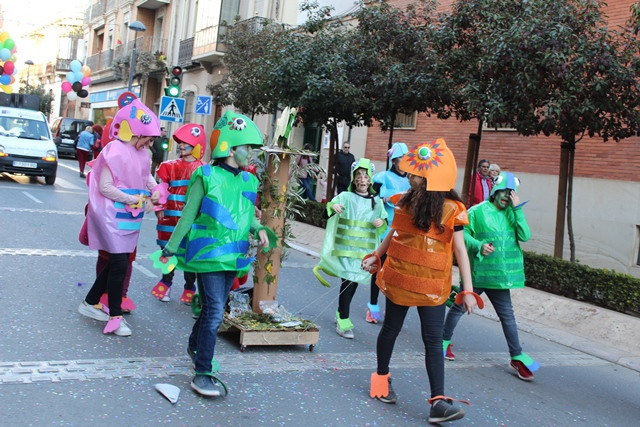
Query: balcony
207,46
101,61
63,65
152,4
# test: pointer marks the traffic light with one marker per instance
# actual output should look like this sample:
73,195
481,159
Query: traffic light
165,145
173,82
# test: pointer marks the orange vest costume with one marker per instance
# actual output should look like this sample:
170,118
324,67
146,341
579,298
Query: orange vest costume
417,271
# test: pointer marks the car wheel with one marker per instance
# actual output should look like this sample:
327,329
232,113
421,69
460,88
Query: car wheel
50,180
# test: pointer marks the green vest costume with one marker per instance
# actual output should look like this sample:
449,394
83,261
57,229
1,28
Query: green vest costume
219,237
504,229
350,236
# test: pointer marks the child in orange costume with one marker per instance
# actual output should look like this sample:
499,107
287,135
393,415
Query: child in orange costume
427,228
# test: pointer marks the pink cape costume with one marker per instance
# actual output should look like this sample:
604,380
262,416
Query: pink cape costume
111,227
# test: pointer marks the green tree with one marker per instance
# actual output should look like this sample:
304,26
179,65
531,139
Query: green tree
399,63
545,67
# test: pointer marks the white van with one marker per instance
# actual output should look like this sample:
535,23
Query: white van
26,145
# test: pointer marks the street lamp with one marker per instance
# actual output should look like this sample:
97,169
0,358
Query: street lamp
29,64
135,26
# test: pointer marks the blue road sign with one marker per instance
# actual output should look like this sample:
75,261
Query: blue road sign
172,109
203,104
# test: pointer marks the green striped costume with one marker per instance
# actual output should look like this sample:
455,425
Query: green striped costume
504,229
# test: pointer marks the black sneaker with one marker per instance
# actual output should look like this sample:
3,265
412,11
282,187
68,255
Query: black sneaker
391,397
205,385
442,411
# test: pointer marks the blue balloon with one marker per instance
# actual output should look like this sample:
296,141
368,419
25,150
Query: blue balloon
71,77
5,54
78,76
75,66
5,79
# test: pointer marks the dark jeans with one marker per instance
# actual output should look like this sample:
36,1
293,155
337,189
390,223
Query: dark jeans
347,291
110,280
501,301
306,185
104,261
214,290
189,280
431,321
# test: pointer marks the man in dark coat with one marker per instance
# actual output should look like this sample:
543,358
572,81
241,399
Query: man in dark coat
342,167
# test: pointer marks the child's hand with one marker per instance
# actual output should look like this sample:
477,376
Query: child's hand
264,239
257,212
155,197
368,264
515,199
487,249
337,208
377,222
159,214
469,303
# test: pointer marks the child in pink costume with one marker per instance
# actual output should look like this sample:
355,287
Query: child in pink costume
120,188
177,173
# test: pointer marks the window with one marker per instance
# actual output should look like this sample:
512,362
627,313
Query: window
499,127
406,121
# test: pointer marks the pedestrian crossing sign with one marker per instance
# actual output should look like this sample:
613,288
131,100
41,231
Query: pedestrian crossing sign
172,109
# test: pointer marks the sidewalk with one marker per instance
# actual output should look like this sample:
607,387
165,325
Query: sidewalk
603,333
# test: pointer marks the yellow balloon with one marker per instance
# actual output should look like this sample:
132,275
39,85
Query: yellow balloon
86,70
7,88
4,36
13,58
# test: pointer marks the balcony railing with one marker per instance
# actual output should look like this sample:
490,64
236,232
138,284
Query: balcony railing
185,53
143,44
100,61
205,41
63,64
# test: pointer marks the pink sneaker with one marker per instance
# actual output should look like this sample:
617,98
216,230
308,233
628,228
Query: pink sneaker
127,305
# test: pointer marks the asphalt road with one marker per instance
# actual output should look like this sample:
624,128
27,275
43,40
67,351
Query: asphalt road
57,368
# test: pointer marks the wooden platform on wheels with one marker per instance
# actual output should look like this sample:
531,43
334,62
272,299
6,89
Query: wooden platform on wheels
274,336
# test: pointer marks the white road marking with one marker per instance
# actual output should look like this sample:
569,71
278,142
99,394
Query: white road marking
26,193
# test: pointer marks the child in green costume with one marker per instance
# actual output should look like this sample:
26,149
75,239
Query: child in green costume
356,223
496,228
212,237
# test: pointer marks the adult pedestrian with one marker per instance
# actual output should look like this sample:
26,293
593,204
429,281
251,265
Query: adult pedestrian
492,238
97,139
83,148
342,167
302,160
494,171
157,150
480,185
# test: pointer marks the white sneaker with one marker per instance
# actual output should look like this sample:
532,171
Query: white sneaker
123,330
166,297
90,311
346,334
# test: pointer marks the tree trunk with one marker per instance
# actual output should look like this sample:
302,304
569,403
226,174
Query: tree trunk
392,125
562,200
333,149
267,268
572,243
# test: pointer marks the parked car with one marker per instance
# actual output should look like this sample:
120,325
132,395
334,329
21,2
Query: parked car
65,134
26,144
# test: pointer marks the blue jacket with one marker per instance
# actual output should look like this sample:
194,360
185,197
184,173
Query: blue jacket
85,140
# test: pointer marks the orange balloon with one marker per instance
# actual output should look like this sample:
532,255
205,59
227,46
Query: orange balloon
86,70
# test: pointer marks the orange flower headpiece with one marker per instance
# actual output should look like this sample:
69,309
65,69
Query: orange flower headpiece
433,161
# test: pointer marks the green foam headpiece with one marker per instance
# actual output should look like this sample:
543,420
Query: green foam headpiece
233,130
363,164
505,181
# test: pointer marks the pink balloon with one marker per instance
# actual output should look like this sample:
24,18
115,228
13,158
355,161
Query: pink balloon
8,67
86,81
14,50
66,87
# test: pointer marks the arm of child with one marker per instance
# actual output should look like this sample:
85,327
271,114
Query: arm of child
110,191
460,251
189,213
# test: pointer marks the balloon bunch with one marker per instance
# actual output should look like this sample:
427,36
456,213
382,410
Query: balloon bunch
77,82
7,62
